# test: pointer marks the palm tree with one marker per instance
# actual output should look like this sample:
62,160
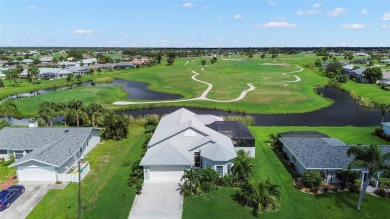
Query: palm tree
47,111
368,158
33,72
383,108
191,181
242,169
8,108
76,108
8,75
94,110
261,196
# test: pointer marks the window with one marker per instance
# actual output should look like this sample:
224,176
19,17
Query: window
81,149
18,154
197,159
3,152
229,167
219,170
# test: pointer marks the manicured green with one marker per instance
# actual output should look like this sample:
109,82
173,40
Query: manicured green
105,193
367,93
294,204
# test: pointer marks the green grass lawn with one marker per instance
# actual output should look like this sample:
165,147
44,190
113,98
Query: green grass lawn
105,193
294,204
367,93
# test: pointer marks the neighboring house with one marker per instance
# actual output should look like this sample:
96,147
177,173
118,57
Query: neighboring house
325,154
2,70
67,64
385,61
124,65
386,128
87,62
240,135
49,73
46,59
361,54
101,66
78,70
3,62
361,61
182,141
356,73
46,154
27,61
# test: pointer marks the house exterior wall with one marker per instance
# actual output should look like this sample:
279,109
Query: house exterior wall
35,171
92,140
164,173
206,163
6,156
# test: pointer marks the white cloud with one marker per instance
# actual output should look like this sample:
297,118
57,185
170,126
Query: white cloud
125,37
207,7
386,16
272,2
353,26
308,12
364,11
386,26
35,8
220,20
338,11
274,24
317,5
238,17
188,5
83,32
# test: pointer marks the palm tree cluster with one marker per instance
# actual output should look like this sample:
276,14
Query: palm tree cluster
198,181
76,114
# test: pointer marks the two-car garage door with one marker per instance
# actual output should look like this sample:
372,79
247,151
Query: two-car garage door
36,173
166,173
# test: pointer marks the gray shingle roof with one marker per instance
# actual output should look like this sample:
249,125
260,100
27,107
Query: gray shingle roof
321,153
50,145
175,130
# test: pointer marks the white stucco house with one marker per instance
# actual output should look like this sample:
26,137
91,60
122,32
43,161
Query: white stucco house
47,154
183,140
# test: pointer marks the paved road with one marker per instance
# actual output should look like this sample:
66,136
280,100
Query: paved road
27,201
158,200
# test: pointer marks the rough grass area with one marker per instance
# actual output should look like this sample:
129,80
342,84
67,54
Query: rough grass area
294,204
105,193
103,80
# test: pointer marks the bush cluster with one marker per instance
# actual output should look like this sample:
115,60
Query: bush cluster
379,132
382,193
384,183
312,178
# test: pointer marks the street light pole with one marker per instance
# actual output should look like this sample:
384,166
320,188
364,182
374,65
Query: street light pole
79,190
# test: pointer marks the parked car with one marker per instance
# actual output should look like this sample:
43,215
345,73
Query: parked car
9,195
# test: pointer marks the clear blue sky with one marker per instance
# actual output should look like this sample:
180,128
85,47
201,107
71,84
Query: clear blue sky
219,23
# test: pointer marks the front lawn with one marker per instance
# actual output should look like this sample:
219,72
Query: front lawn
294,204
105,193
6,172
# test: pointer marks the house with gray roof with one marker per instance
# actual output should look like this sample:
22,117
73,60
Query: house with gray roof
325,154
356,73
46,59
386,127
181,141
46,154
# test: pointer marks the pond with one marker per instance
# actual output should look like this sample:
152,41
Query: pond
344,111
134,89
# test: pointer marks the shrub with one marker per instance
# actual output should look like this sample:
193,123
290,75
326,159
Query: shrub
312,178
347,177
3,123
381,192
342,78
127,163
384,183
378,131
299,186
354,188
387,137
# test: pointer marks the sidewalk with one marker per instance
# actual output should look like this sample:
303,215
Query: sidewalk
8,183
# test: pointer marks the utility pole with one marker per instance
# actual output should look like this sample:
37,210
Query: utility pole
79,190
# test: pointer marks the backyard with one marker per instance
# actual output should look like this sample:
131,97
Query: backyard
294,204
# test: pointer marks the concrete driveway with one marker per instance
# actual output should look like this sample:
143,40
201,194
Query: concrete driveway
158,200
27,201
